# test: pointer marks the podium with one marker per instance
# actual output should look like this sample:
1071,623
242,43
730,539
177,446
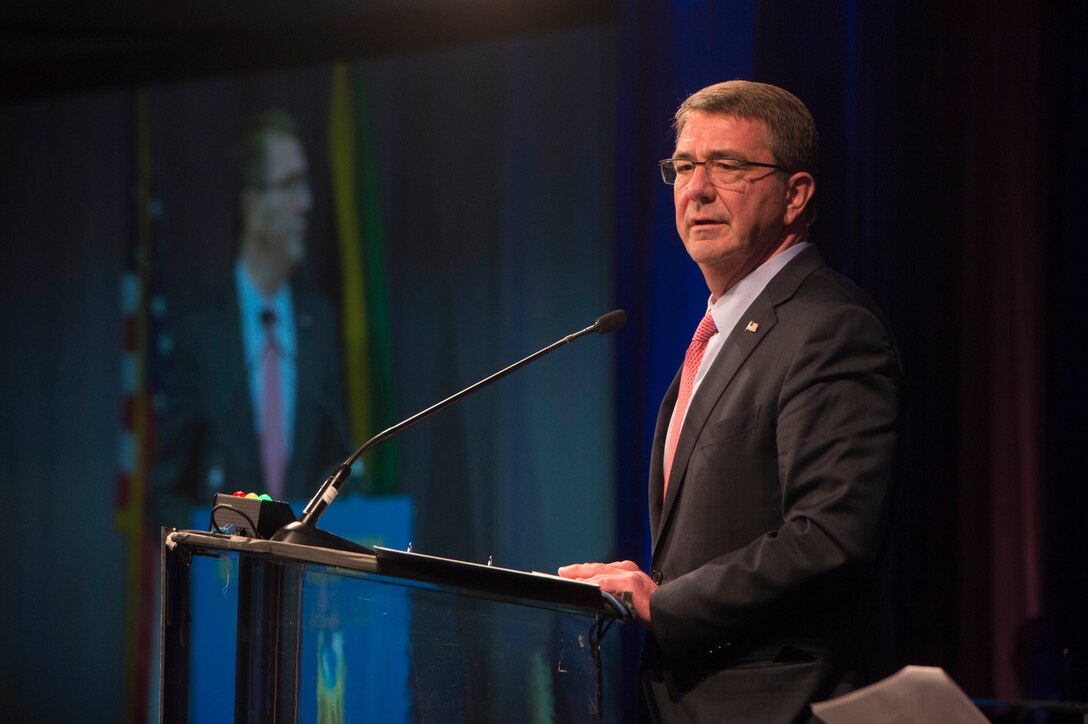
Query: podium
315,635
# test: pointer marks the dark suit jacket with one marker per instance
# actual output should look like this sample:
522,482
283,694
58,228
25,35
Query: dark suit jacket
206,438
766,543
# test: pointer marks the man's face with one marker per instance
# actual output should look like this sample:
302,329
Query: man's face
277,214
735,227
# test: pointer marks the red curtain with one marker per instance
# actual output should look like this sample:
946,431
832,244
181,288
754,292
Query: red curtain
1002,346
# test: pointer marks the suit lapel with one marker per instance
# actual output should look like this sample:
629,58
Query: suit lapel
738,346
755,324
657,454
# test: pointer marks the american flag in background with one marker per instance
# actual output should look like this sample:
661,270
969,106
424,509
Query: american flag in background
146,344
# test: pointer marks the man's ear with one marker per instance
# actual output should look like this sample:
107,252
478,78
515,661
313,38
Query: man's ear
800,188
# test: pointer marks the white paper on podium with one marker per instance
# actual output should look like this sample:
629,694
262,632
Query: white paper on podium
913,695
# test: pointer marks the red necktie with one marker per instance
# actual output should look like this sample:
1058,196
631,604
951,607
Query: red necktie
273,458
692,359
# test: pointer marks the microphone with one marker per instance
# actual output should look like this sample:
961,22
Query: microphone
304,531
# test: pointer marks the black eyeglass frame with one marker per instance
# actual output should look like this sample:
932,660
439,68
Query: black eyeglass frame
741,163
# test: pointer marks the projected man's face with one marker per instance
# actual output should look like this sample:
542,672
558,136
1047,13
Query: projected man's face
277,214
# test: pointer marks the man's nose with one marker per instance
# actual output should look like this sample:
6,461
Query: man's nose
305,198
700,188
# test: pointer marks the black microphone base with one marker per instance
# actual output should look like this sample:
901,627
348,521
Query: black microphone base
307,535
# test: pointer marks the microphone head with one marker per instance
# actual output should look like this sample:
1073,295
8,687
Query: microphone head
608,323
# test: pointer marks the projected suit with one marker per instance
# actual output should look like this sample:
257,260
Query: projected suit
207,438
257,398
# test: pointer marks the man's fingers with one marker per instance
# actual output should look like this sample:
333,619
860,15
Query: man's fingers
581,570
585,570
621,578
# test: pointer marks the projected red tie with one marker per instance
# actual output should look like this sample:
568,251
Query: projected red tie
692,359
273,453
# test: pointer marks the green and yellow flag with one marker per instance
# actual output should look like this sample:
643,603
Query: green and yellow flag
364,292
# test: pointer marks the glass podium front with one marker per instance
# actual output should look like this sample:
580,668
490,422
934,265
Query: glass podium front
258,631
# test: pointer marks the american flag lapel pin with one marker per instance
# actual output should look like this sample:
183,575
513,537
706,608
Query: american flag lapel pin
752,326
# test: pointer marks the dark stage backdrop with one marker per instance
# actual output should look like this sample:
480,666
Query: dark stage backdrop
520,199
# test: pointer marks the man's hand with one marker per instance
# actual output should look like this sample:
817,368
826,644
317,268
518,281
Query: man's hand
615,578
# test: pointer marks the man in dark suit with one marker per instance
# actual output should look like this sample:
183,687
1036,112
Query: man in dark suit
772,464
256,402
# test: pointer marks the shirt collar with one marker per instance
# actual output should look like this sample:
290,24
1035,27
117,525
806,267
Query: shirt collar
726,308
253,302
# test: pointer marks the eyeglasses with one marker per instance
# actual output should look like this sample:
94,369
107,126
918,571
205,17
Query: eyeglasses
291,184
723,172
